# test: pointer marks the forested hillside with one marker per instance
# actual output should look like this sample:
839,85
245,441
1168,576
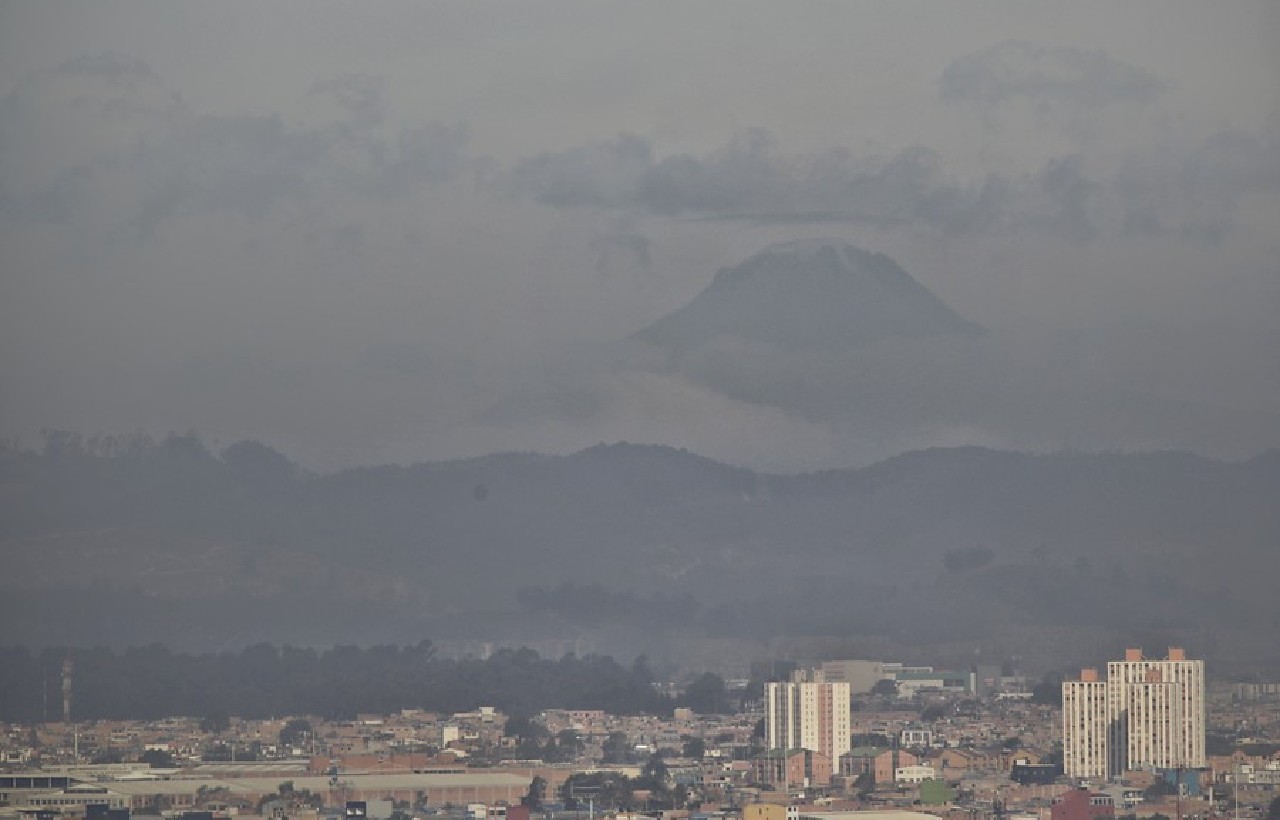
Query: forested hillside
122,542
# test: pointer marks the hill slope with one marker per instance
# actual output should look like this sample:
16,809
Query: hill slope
172,542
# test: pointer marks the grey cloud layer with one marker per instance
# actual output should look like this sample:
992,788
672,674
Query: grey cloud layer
1167,188
1083,78
143,156
1191,193
150,157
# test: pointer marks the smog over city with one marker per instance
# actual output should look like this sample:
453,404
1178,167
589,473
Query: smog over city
630,343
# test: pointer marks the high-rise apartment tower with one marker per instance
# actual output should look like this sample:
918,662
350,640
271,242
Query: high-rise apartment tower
1084,726
808,713
1147,714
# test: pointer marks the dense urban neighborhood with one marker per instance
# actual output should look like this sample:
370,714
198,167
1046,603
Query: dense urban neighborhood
838,737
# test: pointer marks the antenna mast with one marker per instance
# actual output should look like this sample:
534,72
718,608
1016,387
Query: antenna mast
66,690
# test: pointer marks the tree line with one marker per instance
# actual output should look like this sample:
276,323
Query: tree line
262,681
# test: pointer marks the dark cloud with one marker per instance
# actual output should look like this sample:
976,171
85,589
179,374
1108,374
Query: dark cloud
1199,194
1020,71
1191,193
603,174
745,176
1068,200
417,157
245,164
151,158
750,179
137,89
360,97
60,127
147,157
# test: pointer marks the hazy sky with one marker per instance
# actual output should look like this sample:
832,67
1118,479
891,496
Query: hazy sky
368,232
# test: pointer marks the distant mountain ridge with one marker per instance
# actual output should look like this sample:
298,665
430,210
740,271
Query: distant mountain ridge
170,541
809,295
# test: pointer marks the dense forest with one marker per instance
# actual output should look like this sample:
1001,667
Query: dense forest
264,681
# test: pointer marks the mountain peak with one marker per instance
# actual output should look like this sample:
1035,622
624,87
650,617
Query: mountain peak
809,294
805,248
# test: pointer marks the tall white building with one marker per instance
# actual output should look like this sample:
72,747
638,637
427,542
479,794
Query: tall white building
808,713
1157,706
1084,726
1148,714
